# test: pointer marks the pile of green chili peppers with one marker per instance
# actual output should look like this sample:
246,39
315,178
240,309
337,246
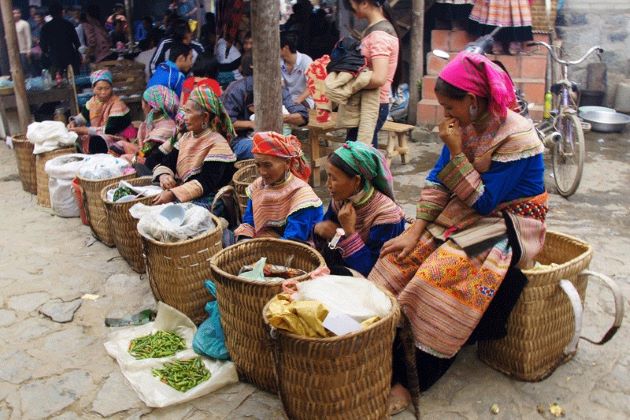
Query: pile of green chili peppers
160,344
183,374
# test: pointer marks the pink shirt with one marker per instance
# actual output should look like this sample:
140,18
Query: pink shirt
382,44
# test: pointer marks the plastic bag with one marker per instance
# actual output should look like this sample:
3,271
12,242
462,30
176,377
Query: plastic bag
49,135
209,339
197,221
135,191
358,298
61,172
138,372
103,166
65,166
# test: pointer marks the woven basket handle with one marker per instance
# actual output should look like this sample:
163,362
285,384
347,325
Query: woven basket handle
619,309
574,297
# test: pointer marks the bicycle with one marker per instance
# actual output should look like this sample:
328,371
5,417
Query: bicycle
562,132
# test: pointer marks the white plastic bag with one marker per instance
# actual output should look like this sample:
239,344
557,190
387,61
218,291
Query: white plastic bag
197,220
49,135
358,298
150,389
61,171
103,166
140,191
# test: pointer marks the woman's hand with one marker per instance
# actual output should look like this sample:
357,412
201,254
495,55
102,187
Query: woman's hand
326,229
72,124
451,135
164,197
167,182
79,130
405,243
348,218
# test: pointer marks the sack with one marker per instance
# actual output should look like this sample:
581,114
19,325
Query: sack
209,339
61,172
197,221
49,135
150,389
103,166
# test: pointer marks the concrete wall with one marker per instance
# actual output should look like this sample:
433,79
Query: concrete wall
584,23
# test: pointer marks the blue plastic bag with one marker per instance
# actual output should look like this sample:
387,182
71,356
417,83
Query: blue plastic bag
209,339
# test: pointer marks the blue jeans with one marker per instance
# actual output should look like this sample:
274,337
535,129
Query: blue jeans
242,147
383,112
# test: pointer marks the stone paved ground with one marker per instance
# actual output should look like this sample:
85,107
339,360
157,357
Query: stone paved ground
48,369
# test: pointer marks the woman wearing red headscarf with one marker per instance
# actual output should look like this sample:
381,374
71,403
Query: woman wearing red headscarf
281,203
480,218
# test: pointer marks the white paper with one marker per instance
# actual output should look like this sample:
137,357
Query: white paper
340,324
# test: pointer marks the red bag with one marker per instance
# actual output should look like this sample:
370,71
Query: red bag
78,196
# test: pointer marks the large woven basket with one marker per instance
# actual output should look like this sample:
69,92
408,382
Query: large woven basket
177,270
542,321
347,377
123,227
541,22
43,195
241,302
243,163
241,180
25,163
95,207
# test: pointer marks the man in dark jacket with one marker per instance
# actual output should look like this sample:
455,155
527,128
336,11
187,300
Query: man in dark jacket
59,42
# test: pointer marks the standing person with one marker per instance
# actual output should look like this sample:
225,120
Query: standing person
25,43
96,38
59,42
514,16
173,73
187,9
209,32
293,66
180,33
380,47
229,58
119,34
118,13
148,47
32,11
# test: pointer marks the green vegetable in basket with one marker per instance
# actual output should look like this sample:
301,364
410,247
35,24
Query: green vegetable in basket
121,192
183,375
160,344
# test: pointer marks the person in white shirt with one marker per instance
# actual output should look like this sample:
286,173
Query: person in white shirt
148,46
25,42
293,66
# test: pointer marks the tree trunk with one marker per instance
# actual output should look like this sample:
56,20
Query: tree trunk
416,67
17,73
129,14
266,53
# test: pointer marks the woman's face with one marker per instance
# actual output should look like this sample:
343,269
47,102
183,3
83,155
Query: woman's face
102,90
358,7
272,169
146,108
457,108
340,185
194,117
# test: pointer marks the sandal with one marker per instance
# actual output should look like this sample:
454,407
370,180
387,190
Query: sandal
398,401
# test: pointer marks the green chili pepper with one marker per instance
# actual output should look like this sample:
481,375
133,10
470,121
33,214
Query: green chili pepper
160,344
183,375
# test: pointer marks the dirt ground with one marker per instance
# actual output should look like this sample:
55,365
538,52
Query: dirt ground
48,369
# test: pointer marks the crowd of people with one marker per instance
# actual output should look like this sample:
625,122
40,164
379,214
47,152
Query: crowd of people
481,213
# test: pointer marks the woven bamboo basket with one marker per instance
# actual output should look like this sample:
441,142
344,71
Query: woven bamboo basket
241,302
123,227
243,163
177,270
95,207
43,195
540,21
25,163
347,377
241,180
542,321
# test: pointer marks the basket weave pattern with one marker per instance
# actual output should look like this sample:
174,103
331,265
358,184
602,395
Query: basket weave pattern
540,21
178,270
95,207
241,302
43,194
123,227
241,180
347,377
25,163
542,321
243,163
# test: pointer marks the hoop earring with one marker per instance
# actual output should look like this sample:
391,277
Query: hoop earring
473,112
204,125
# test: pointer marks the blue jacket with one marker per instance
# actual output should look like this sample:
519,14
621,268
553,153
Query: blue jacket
167,74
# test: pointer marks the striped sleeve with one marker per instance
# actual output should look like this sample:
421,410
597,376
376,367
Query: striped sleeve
461,178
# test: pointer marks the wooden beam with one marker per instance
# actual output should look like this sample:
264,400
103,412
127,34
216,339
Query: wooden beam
266,54
17,73
416,67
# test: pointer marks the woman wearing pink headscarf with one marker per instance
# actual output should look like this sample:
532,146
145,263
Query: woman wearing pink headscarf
480,218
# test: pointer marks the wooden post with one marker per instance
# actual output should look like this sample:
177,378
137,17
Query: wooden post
17,74
416,67
129,13
266,54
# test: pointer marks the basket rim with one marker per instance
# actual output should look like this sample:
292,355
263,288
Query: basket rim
588,251
239,172
109,186
338,338
55,150
20,138
215,219
274,283
94,181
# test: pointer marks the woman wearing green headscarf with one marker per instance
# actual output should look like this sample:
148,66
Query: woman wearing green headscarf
362,204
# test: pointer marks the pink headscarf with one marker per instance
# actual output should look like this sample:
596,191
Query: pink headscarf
476,74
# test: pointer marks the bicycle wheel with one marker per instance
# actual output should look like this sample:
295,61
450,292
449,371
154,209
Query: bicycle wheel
567,155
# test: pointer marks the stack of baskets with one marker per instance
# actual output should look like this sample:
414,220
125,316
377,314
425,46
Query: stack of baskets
123,227
25,163
243,163
178,270
241,180
43,195
241,302
95,207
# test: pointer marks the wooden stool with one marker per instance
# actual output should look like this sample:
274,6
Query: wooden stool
397,136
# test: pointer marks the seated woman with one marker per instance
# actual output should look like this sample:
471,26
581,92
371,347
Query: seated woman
108,118
160,105
201,162
281,204
481,217
360,185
